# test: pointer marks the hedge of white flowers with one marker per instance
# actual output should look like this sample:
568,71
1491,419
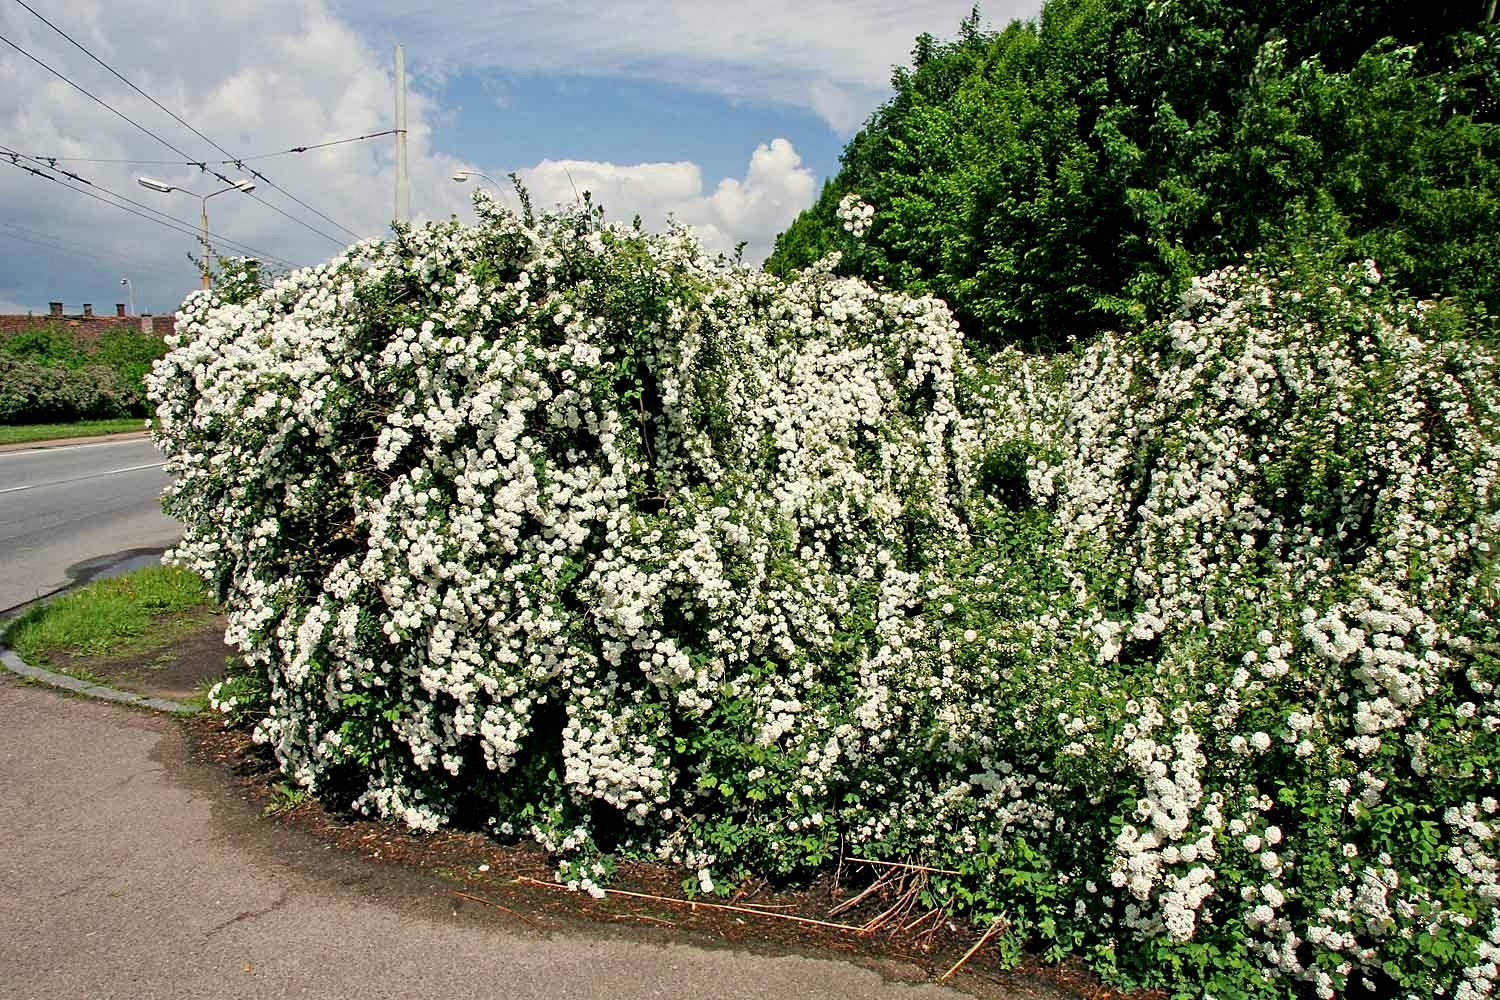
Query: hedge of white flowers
1181,649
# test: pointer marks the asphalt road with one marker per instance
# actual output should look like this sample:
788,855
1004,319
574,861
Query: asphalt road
130,871
66,510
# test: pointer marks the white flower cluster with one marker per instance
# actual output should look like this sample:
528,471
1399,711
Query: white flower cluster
855,214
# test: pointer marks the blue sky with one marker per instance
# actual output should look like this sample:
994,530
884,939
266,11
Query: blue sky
518,119
726,116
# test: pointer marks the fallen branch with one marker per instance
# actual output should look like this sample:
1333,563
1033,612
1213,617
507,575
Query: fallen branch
903,864
498,906
995,927
642,916
922,919
899,908
869,890
693,903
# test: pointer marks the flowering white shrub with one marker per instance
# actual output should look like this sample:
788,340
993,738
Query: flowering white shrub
1241,604
565,528
1182,650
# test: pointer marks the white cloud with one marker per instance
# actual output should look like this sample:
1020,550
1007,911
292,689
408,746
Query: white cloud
752,209
255,76
833,57
265,75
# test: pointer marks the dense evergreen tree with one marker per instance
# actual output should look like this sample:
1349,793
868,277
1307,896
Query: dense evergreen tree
1071,173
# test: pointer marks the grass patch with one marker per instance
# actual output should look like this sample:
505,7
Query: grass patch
284,798
116,615
199,700
21,433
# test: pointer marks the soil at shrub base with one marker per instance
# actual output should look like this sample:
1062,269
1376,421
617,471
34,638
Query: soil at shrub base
513,883
177,668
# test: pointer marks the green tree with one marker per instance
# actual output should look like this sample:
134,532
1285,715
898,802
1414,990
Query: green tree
1072,172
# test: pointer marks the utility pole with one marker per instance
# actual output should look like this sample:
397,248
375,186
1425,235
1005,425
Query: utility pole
403,194
208,250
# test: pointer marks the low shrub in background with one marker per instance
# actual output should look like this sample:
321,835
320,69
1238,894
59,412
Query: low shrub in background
52,374
33,393
1180,649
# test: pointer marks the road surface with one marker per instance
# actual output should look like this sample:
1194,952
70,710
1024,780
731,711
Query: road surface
67,510
130,871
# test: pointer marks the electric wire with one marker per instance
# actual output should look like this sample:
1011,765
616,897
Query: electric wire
231,243
312,146
113,263
202,165
102,257
54,160
142,210
66,246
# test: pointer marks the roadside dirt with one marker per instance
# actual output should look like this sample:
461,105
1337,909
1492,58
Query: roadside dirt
514,883
178,669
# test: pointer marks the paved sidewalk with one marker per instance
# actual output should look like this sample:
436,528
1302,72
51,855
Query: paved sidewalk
130,872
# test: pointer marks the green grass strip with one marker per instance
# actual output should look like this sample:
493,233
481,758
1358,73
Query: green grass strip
21,433
118,614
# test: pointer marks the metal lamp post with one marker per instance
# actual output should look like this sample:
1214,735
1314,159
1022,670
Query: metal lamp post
129,294
165,188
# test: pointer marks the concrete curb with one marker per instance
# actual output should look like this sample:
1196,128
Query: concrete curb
13,662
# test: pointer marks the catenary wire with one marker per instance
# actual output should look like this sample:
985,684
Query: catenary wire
13,232
202,165
96,260
160,218
232,243
311,146
54,160
193,163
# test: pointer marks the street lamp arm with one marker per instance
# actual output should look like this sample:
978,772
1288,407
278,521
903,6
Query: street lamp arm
463,175
244,186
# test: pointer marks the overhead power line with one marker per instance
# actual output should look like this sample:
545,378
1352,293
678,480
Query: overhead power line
113,260
44,238
124,208
309,148
144,211
231,243
202,165
54,160
178,118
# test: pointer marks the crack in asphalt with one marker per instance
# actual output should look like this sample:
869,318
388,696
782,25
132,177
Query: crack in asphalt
245,915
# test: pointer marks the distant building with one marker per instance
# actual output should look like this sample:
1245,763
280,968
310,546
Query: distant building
86,324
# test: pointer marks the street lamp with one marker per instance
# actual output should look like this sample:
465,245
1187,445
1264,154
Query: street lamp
129,294
463,175
165,188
